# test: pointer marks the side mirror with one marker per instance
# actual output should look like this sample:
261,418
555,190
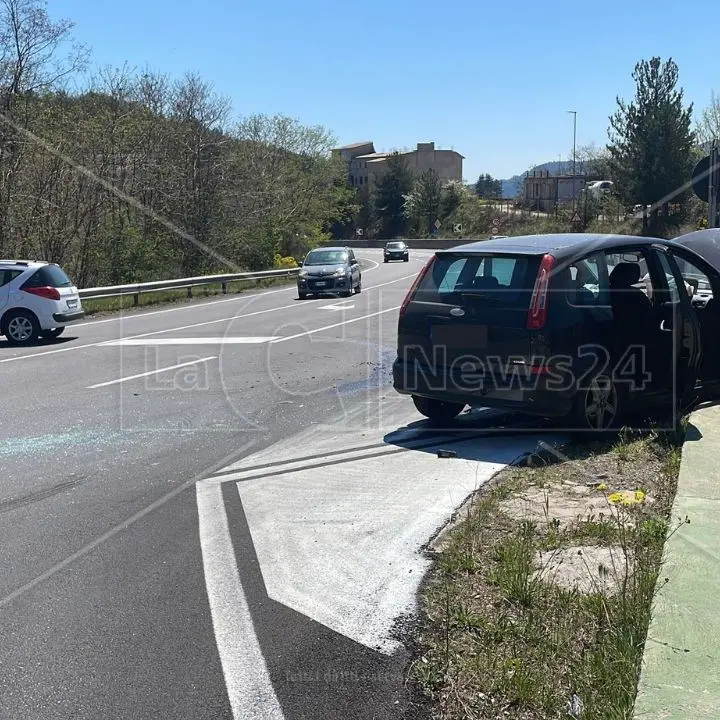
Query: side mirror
354,261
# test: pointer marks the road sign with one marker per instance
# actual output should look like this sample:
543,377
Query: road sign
494,230
359,231
701,178
437,224
576,218
457,228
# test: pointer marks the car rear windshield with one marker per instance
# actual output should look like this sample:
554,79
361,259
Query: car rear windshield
503,280
48,276
396,246
326,257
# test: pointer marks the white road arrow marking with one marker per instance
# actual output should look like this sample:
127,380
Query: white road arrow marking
339,536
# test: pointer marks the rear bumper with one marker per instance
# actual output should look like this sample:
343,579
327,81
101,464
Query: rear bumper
530,395
65,318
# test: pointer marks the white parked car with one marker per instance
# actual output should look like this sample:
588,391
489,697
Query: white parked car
37,300
599,188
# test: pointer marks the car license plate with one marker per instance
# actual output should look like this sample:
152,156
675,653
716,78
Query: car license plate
72,304
320,284
459,336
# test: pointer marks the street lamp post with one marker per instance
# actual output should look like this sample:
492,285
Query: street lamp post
574,114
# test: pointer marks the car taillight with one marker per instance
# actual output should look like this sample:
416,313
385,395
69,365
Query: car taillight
47,292
415,285
537,314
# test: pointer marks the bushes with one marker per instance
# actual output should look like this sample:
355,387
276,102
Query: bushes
284,263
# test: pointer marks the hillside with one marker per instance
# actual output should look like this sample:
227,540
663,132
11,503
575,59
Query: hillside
593,169
513,186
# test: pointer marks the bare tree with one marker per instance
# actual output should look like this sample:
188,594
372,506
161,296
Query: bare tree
33,54
708,125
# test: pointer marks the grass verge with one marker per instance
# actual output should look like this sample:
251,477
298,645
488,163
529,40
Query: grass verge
163,297
539,601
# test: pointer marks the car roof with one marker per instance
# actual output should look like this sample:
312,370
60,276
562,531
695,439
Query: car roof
22,263
334,247
705,243
560,245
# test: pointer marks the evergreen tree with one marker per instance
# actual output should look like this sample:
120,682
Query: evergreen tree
651,140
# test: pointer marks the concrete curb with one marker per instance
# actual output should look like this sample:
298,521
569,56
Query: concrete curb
680,676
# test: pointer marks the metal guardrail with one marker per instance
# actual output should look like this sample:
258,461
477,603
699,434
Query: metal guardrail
136,289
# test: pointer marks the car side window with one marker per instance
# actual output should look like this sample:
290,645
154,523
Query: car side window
452,275
588,281
697,283
35,280
7,276
637,258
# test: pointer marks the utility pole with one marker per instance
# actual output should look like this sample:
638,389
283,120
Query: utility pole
574,114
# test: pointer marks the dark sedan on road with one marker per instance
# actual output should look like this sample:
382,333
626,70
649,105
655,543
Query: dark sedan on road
575,326
331,270
396,251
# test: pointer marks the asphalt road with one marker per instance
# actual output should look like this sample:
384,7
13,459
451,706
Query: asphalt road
137,581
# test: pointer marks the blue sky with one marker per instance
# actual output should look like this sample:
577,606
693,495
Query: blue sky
492,81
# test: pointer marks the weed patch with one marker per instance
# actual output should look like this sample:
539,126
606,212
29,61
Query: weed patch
539,602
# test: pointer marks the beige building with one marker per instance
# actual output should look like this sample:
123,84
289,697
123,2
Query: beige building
365,165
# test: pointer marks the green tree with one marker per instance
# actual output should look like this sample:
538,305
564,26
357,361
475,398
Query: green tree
423,204
452,196
488,188
390,190
651,141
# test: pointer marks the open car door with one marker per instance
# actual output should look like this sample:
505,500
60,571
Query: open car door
681,320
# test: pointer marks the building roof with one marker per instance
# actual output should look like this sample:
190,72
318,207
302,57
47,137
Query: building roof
355,145
372,156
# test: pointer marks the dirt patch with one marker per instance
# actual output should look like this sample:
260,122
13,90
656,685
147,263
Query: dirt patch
585,568
563,502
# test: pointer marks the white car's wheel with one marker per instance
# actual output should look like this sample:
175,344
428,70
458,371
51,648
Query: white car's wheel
20,327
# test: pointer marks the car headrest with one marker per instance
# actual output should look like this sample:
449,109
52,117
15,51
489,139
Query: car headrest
486,282
624,275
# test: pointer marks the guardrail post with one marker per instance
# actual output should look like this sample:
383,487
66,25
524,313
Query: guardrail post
136,299
224,288
189,291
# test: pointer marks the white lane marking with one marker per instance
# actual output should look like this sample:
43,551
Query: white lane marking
182,327
123,342
195,306
337,307
120,317
151,372
246,674
334,325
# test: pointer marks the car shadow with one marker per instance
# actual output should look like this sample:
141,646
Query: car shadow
42,342
325,296
482,435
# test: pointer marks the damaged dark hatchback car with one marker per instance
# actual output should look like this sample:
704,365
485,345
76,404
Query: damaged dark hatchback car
585,328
